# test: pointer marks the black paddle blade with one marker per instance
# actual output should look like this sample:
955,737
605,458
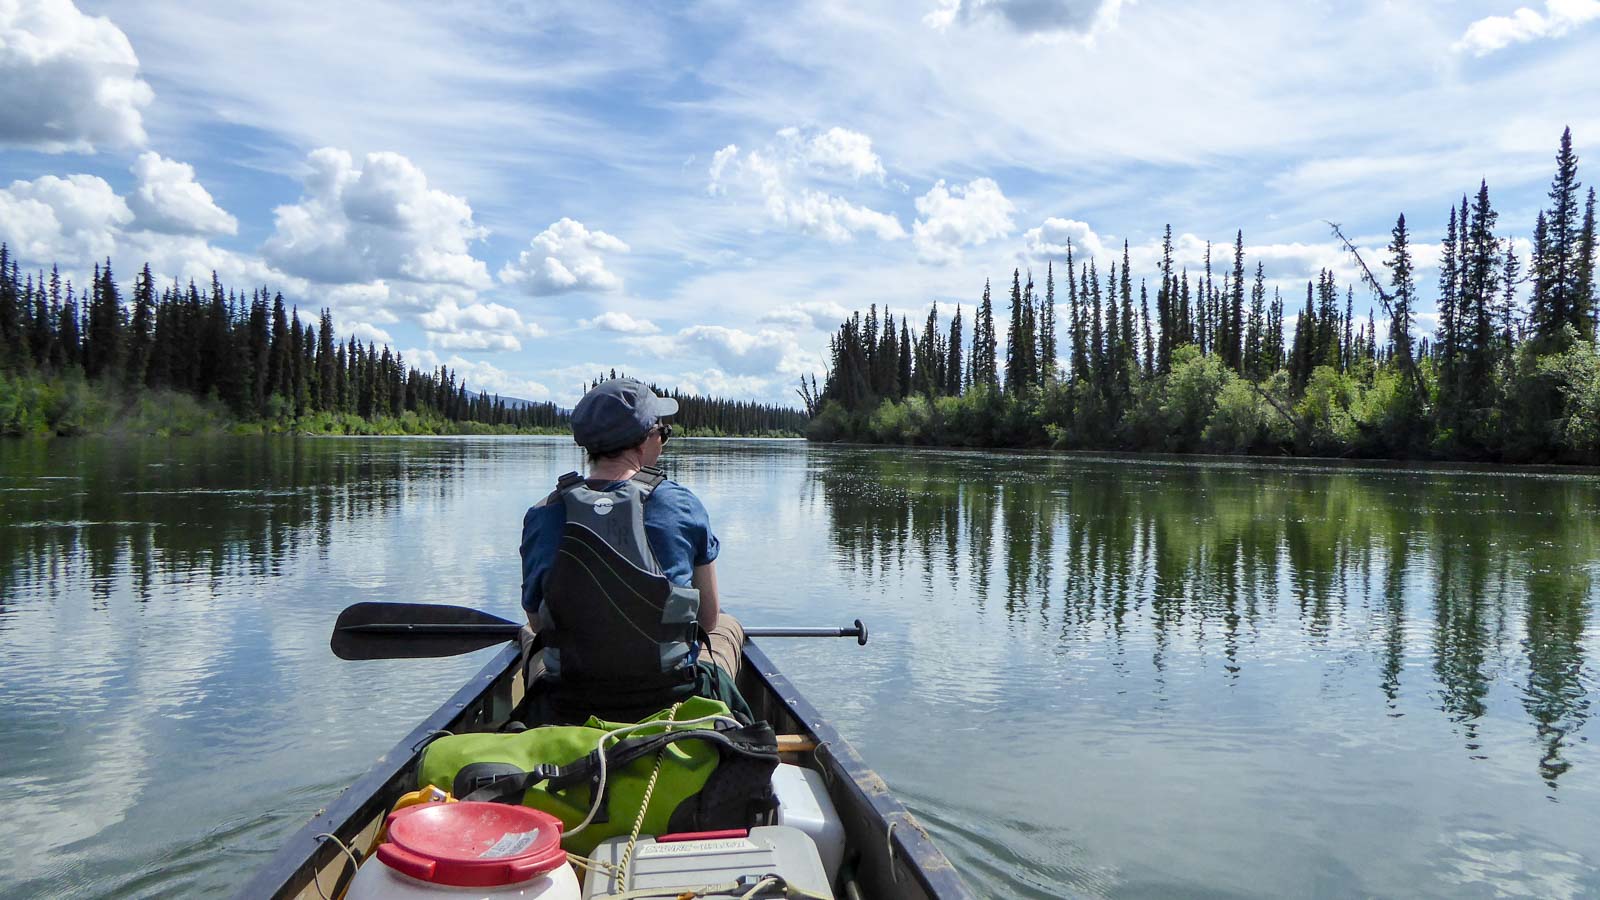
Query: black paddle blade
415,631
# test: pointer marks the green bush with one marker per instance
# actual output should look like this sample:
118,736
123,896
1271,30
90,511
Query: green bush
1325,411
1190,398
1241,421
1575,375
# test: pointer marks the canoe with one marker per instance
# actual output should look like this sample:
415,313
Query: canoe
888,852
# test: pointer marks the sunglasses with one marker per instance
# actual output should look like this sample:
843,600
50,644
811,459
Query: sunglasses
665,431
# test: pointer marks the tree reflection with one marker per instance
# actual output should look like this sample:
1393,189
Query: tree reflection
77,515
1476,579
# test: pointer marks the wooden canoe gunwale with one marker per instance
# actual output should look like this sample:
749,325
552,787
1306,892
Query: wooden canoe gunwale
902,862
916,867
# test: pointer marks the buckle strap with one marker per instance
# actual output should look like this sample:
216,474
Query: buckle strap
648,478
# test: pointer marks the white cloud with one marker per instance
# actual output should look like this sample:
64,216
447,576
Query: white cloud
565,257
771,173
1044,18
835,150
719,164
167,198
622,323
366,331
480,376
1493,33
67,81
764,353
477,326
1049,241
71,220
950,218
822,315
381,221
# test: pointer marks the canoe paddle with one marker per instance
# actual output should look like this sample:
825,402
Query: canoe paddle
371,630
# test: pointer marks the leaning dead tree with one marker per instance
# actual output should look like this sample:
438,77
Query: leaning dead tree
1371,281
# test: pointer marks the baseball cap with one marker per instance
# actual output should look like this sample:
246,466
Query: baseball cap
617,414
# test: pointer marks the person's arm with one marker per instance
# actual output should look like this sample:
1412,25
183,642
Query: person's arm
704,580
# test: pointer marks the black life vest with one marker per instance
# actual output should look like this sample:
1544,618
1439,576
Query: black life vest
618,635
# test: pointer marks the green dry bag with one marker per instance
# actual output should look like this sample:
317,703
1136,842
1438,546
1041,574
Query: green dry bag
714,775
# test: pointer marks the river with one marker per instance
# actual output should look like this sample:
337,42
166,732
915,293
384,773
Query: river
1088,676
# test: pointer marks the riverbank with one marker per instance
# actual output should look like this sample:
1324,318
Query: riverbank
1544,410
70,405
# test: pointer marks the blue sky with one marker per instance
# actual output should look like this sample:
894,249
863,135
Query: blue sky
697,192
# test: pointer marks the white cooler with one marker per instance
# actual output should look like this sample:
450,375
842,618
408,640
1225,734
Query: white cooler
712,858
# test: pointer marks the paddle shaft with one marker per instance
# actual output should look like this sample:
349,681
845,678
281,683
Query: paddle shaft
421,630
509,630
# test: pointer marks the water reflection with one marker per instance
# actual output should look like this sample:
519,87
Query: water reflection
1487,579
79,514
160,627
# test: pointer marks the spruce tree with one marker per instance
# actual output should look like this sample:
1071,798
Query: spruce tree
888,359
1274,339
1303,356
1234,351
904,377
327,365
57,358
1130,337
10,318
1114,355
71,334
1015,357
1446,339
1165,305
103,344
1047,328
142,331
42,336
953,365
1097,345
1347,348
1510,274
926,372
1483,262
1403,288
984,370
1556,292
1080,358
1588,294
1144,318
1185,317
280,362
1254,360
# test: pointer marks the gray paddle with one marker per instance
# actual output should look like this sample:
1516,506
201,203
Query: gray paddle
372,630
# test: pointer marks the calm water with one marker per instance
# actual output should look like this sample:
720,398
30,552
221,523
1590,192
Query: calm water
1089,677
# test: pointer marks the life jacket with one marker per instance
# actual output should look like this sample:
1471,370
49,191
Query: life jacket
617,634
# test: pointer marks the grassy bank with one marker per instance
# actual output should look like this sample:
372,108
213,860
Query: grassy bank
65,405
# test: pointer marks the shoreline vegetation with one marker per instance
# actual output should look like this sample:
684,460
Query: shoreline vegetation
1511,373
192,361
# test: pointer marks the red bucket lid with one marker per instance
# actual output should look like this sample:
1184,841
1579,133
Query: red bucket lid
472,844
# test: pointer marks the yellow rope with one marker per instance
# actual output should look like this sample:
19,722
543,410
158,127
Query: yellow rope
644,806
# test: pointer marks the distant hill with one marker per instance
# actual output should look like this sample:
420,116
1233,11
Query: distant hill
514,402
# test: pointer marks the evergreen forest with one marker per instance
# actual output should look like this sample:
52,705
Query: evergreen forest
1181,361
191,359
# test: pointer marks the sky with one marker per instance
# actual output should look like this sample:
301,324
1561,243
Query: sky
697,193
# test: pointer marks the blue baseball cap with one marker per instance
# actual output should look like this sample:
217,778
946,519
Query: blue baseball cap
617,414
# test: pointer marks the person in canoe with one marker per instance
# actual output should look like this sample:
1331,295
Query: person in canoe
619,576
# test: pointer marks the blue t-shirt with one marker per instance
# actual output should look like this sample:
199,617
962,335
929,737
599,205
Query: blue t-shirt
675,524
